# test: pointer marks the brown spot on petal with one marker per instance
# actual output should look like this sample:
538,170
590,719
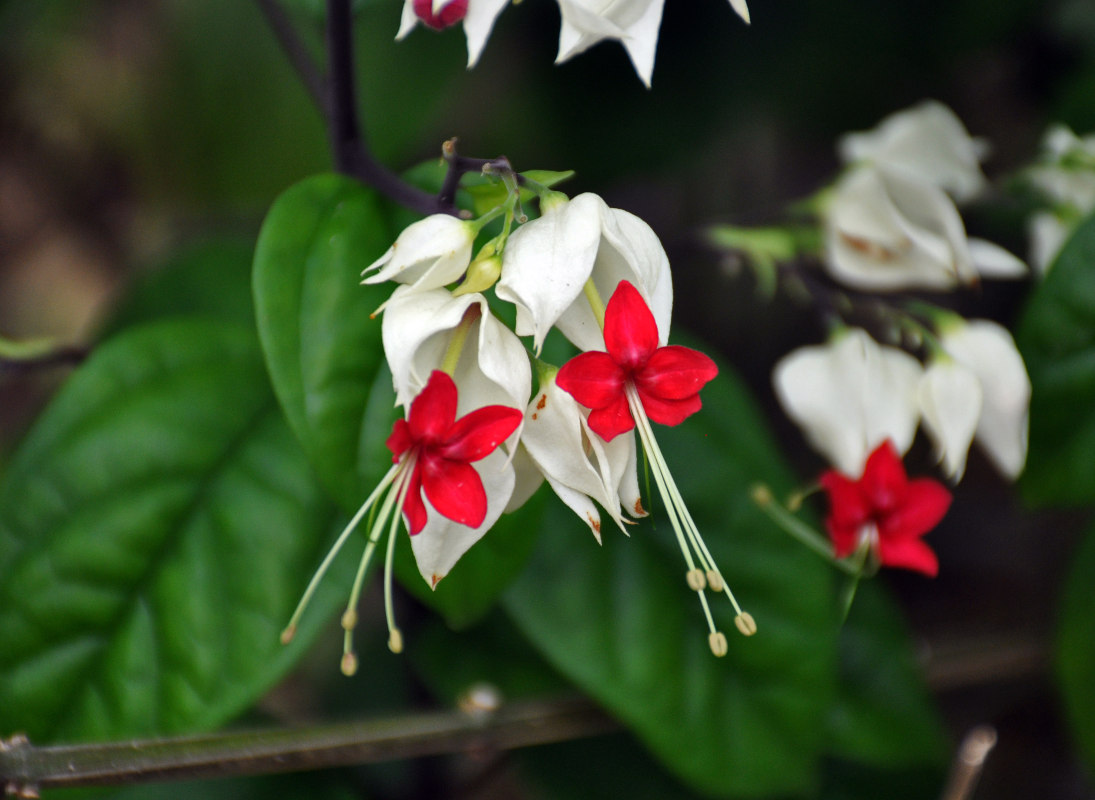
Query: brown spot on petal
534,415
435,579
639,510
594,523
541,403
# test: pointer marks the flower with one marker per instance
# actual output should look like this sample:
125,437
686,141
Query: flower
886,229
884,512
988,352
849,394
478,17
580,466
664,381
428,254
632,382
432,454
950,400
927,142
548,261
634,23
1065,175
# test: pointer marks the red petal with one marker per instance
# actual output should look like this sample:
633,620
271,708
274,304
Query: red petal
455,490
908,554
845,538
884,481
631,334
433,411
476,434
612,420
400,439
669,412
675,372
925,503
449,15
593,379
847,506
414,510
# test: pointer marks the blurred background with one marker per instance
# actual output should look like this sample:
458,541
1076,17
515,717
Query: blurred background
138,134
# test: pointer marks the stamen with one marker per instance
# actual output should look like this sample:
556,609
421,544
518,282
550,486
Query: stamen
349,664
717,643
291,629
688,535
696,580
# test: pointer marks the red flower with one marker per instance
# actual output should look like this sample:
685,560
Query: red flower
450,14
443,449
887,509
667,380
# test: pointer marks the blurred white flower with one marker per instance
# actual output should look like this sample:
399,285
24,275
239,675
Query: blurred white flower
634,23
950,400
849,395
988,351
927,141
1065,175
887,230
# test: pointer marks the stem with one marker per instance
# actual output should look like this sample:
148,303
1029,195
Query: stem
25,768
799,529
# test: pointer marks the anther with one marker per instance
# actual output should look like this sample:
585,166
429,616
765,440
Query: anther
349,664
745,623
714,581
349,619
395,640
696,581
288,634
761,494
717,641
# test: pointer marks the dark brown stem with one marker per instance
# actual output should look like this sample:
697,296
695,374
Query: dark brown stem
296,51
25,768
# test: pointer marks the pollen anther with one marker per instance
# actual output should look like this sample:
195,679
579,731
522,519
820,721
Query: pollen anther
717,641
696,581
745,623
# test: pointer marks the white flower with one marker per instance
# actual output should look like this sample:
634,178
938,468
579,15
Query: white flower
546,263
927,141
849,395
634,23
988,351
579,466
478,21
950,400
887,230
418,334
1066,177
428,254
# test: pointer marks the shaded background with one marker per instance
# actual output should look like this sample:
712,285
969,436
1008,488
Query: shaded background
135,134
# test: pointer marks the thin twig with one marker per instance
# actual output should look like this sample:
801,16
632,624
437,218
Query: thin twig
25,768
297,52
969,761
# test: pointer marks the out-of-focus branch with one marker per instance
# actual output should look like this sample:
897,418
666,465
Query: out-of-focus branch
296,51
25,769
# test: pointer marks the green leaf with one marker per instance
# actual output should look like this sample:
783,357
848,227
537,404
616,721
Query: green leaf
622,624
1075,650
153,527
1056,336
322,348
883,714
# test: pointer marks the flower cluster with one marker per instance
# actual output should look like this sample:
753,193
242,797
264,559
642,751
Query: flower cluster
1065,177
475,440
633,23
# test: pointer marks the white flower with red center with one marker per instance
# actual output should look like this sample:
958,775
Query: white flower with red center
548,263
882,515
433,470
629,384
477,15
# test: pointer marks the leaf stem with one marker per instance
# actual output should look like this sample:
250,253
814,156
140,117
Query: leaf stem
25,768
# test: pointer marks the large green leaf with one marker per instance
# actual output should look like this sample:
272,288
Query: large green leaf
322,347
1076,647
621,623
1057,339
153,527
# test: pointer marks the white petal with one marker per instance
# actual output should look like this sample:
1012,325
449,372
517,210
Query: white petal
950,401
478,24
1048,234
641,41
741,8
428,254
527,479
992,261
441,543
927,141
989,352
635,23
547,261
850,395
407,21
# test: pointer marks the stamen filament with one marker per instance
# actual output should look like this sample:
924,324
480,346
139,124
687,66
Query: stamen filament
459,336
291,628
681,519
596,305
